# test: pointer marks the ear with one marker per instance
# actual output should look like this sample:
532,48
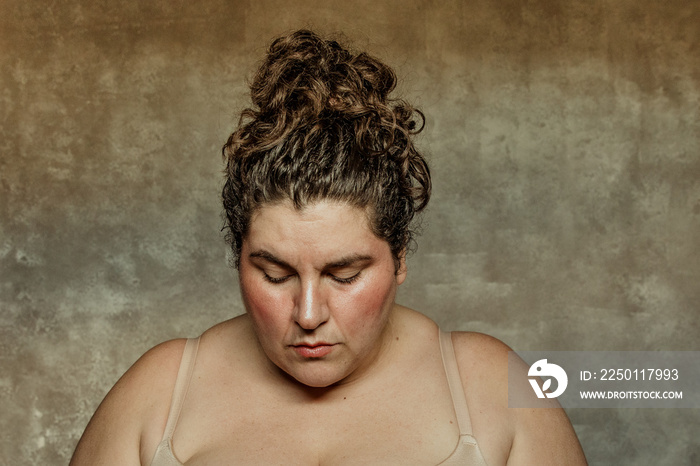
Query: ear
401,271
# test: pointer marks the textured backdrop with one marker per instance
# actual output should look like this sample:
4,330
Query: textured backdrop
563,137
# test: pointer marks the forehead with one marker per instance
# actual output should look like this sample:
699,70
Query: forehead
323,228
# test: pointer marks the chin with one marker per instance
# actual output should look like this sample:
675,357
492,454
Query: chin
316,383
315,379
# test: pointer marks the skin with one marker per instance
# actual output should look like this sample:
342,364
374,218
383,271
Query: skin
259,394
301,287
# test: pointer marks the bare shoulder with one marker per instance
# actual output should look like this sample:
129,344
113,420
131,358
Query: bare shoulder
510,435
483,366
127,425
489,349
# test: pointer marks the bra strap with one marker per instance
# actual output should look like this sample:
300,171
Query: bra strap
459,400
182,384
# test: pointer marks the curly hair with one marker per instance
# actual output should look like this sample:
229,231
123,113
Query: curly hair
323,127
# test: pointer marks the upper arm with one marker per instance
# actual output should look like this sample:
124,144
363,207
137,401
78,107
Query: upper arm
545,436
133,412
506,435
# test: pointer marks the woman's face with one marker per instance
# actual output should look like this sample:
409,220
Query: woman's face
319,287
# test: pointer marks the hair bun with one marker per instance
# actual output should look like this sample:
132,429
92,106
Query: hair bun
304,76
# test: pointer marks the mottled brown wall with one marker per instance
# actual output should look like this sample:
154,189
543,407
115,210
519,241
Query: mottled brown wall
563,136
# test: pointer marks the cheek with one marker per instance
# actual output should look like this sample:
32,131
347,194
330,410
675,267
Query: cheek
370,301
263,306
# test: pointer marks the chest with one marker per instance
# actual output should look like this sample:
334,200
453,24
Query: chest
383,424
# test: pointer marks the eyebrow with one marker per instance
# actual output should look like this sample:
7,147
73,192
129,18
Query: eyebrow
346,261
269,257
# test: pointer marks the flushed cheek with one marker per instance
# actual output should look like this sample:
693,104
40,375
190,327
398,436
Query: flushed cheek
268,310
368,303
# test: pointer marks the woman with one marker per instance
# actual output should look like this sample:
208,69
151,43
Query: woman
322,184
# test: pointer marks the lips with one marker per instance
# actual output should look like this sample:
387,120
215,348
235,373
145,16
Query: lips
313,350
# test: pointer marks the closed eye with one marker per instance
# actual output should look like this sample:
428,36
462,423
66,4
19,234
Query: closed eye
345,280
276,280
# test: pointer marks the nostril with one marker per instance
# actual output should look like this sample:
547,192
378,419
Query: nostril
310,317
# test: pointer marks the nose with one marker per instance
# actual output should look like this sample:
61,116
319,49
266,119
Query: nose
311,310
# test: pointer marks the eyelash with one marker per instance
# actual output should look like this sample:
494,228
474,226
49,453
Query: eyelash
275,280
344,281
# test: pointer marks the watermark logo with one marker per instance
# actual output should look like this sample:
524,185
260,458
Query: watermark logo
543,369
604,379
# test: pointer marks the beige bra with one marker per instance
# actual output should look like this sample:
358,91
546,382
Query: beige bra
466,452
